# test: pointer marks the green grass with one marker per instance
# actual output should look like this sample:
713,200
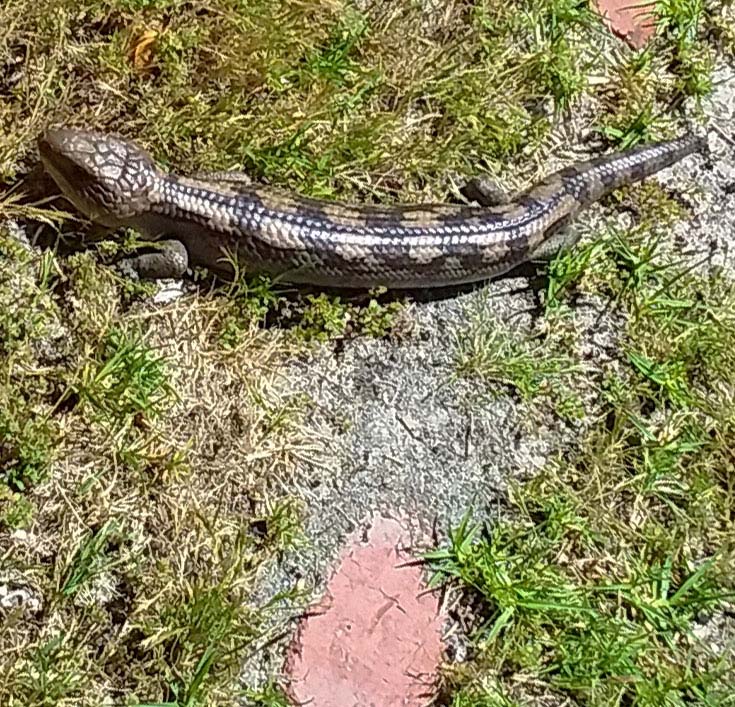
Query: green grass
147,452
594,589
593,585
91,558
503,361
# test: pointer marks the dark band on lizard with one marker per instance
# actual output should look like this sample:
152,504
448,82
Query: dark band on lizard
116,183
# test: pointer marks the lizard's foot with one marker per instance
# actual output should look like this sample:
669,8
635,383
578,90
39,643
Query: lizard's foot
485,191
169,259
563,239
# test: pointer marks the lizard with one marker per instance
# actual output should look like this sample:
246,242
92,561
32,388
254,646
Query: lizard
225,224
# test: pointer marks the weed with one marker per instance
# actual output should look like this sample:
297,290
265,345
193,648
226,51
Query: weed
324,317
54,671
586,638
126,382
487,351
92,558
26,446
376,319
16,511
682,20
250,302
269,696
281,526
566,269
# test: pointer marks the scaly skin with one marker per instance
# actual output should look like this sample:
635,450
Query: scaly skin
114,182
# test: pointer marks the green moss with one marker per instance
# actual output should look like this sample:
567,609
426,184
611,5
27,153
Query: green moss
324,317
16,511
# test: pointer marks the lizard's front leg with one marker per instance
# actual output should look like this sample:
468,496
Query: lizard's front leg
167,259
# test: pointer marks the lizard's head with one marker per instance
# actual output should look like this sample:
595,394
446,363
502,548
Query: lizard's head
110,180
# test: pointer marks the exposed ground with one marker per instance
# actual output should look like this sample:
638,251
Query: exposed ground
166,468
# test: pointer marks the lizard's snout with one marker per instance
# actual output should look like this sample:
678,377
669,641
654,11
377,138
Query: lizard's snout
106,177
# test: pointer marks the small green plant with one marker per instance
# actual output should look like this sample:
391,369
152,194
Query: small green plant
125,381
635,126
565,270
54,672
16,511
271,695
27,445
534,369
483,694
26,282
558,65
198,631
334,61
94,556
498,357
682,20
250,301
668,377
376,319
281,526
325,317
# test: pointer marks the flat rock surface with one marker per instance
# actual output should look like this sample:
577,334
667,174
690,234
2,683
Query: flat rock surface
633,21
375,636
403,433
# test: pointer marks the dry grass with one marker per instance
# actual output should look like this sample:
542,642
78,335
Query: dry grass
144,476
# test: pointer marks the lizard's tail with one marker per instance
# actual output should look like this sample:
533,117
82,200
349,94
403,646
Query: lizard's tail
589,181
579,185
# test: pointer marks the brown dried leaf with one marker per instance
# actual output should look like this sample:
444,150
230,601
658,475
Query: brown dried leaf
142,51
